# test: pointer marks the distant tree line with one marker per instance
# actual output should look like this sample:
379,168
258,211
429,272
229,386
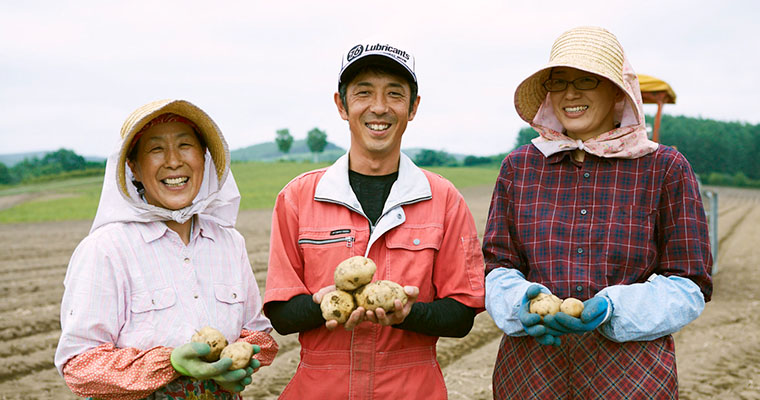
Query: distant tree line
316,140
721,153
61,163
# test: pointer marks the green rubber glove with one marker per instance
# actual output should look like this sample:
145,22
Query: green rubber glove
186,360
236,380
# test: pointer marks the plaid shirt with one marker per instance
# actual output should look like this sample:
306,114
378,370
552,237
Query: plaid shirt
578,228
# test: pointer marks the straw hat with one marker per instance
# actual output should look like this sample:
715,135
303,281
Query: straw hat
215,142
590,49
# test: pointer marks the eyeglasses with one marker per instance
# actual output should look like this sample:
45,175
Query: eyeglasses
582,83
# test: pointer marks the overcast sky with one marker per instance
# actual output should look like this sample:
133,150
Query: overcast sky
71,71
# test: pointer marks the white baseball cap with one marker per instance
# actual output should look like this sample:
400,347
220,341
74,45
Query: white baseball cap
375,52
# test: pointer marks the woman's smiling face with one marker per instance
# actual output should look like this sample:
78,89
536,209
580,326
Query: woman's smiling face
169,162
584,113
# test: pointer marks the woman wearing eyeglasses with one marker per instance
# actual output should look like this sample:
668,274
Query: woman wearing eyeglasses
592,209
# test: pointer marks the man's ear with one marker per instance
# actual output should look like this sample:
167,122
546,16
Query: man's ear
341,108
414,108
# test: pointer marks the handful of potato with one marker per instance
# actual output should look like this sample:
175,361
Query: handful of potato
549,304
239,352
353,280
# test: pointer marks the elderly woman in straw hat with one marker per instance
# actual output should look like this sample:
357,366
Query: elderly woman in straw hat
594,210
162,261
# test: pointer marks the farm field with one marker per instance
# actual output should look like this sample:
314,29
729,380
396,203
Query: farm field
718,354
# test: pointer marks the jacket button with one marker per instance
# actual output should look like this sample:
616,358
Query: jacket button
416,242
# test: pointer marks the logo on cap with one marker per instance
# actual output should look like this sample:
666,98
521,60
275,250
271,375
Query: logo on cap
356,51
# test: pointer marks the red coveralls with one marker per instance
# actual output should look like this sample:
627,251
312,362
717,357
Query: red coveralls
426,237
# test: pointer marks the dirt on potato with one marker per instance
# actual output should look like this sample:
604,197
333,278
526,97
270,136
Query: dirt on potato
718,355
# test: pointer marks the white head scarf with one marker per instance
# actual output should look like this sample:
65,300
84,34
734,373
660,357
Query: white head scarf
217,201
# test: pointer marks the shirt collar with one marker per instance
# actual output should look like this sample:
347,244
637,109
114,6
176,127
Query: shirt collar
558,157
151,231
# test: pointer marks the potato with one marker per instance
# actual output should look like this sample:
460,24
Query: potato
337,305
572,306
214,339
380,294
240,353
545,304
354,272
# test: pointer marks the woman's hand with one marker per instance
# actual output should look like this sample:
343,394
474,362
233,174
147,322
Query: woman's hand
186,360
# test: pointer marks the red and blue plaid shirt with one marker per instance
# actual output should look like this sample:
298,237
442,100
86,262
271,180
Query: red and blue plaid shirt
580,227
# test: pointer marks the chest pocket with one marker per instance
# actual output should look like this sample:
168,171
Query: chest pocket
230,303
322,252
411,255
630,238
148,306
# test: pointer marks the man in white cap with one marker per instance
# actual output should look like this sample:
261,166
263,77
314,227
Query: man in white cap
373,202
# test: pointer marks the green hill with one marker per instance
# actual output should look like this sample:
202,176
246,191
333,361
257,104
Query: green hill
299,151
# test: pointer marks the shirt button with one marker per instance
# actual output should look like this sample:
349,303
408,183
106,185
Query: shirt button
586,175
416,242
583,211
579,288
234,295
398,216
195,296
187,260
580,250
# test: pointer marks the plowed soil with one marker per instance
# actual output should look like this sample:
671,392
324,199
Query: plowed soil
718,354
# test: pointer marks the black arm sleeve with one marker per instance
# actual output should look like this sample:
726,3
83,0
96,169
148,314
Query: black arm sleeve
298,314
443,317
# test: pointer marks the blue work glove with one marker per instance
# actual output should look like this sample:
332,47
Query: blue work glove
594,312
532,322
236,380
186,359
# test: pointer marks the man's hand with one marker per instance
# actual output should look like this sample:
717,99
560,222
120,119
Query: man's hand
186,360
356,317
379,316
532,322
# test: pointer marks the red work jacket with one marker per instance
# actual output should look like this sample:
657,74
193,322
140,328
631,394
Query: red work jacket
426,237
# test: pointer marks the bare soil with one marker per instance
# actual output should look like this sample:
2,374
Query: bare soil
718,354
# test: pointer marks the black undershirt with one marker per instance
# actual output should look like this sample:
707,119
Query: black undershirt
443,317
372,191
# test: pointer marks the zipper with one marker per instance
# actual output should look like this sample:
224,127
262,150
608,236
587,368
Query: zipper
348,239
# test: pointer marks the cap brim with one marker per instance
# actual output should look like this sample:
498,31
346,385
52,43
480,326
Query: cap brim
376,59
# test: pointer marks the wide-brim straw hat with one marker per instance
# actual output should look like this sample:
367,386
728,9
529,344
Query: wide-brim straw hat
210,132
587,48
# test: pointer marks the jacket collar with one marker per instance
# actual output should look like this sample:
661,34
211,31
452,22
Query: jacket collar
410,187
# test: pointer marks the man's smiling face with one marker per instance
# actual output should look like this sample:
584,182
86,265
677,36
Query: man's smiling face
378,110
